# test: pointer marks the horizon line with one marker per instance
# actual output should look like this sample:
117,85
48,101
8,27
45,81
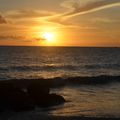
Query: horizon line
60,46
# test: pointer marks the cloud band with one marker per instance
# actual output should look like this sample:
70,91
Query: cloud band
89,6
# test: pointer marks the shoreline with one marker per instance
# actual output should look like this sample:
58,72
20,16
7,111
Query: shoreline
83,118
33,115
39,115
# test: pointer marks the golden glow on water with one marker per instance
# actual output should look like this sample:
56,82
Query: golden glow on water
90,101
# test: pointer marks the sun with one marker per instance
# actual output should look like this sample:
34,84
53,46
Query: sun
48,36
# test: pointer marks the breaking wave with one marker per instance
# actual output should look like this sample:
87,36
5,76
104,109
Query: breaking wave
60,82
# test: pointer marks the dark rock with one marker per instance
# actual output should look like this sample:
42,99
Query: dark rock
20,101
55,99
41,97
35,90
50,100
38,93
14,98
26,98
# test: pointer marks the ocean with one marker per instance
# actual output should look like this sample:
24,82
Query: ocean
87,77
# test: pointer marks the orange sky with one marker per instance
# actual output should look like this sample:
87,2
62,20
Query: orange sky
69,22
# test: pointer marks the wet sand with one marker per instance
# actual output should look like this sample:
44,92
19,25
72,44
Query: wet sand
33,115
82,118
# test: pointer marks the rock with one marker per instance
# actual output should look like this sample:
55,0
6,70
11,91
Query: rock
27,98
49,100
14,98
35,90
55,99
20,101
41,97
38,93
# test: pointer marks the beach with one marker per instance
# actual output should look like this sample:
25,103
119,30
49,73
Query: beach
42,116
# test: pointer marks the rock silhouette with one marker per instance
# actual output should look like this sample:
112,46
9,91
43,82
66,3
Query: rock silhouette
27,97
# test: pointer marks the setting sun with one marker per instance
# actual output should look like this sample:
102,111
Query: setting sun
48,36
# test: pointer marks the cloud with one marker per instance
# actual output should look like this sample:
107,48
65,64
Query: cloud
104,20
2,20
91,5
78,7
22,38
24,14
10,37
75,7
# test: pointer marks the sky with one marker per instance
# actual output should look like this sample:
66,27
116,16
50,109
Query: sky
60,23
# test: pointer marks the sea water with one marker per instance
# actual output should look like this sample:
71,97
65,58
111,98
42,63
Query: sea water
70,63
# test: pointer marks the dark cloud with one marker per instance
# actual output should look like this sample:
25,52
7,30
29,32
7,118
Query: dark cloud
39,39
22,38
2,20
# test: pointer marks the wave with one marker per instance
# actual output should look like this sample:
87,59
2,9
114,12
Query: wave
53,67
93,80
60,82
39,68
104,66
